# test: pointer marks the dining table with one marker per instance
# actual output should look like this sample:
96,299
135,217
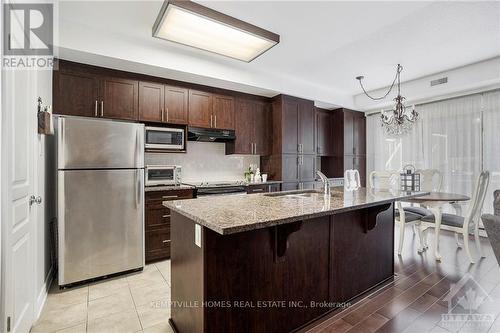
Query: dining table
434,201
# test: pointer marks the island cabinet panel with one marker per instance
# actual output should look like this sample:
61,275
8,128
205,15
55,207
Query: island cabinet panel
281,256
176,105
362,254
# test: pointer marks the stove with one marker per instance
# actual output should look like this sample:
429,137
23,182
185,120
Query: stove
219,188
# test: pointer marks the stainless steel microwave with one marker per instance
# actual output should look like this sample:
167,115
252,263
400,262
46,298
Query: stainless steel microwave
164,138
163,175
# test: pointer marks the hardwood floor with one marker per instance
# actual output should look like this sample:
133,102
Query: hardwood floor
417,300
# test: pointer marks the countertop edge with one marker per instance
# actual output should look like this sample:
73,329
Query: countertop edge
275,222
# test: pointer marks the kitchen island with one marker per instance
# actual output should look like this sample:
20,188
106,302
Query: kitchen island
275,262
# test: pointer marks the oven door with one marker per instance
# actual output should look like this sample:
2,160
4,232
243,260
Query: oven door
160,175
164,138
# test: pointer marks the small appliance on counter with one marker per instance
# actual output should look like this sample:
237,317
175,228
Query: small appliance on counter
163,175
165,139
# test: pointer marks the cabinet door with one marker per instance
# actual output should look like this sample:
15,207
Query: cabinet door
176,105
359,135
348,133
157,244
120,98
151,102
200,109
290,127
306,127
223,112
307,167
261,127
243,120
290,167
323,135
75,94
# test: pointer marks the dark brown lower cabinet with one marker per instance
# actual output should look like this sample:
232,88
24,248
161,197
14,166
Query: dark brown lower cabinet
280,278
157,222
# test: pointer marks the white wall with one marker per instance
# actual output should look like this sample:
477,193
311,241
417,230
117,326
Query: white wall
205,161
472,78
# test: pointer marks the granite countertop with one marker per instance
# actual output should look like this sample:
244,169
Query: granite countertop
232,214
167,188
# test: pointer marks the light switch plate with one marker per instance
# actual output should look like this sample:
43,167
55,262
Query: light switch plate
197,235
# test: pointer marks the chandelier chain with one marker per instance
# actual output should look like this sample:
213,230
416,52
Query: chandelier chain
396,77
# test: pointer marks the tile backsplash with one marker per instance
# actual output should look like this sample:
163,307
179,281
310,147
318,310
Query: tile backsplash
205,161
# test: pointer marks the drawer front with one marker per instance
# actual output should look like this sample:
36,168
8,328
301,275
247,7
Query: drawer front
157,216
169,195
158,244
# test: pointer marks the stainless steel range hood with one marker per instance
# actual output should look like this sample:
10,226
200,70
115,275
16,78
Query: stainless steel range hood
210,135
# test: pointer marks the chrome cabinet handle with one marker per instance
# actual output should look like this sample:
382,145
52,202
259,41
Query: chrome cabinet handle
298,148
166,241
95,110
102,108
215,121
165,216
167,115
251,148
211,121
162,115
255,148
170,196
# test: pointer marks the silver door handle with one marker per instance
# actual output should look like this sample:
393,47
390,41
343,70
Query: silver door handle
95,110
162,115
215,121
251,147
170,196
167,115
255,148
35,200
211,120
102,108
298,147
138,188
166,241
165,216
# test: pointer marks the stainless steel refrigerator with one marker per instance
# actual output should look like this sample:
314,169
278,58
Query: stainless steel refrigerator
100,197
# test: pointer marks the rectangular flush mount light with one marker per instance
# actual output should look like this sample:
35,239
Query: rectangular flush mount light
192,24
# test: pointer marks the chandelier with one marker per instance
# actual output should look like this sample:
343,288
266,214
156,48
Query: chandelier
400,120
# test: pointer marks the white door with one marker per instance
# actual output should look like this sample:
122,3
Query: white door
18,214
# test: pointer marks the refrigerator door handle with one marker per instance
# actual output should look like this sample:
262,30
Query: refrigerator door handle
138,188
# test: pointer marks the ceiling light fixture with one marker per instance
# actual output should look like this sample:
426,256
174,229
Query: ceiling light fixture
192,24
400,120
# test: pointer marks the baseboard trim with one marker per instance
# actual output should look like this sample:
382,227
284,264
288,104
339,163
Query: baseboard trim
42,296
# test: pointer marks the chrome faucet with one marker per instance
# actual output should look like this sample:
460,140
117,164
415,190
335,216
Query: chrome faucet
326,183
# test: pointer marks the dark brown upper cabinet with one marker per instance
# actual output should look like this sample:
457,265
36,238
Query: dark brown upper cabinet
223,112
252,126
200,109
76,94
119,98
176,105
296,119
163,104
151,100
210,110
324,133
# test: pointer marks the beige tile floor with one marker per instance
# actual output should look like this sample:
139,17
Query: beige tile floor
137,302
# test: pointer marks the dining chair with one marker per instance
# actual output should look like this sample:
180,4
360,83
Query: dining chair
430,181
387,180
492,225
469,223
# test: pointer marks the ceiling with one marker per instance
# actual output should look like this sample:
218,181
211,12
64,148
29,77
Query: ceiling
324,44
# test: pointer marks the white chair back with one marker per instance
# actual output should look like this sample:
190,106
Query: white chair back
476,203
383,180
352,181
431,180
